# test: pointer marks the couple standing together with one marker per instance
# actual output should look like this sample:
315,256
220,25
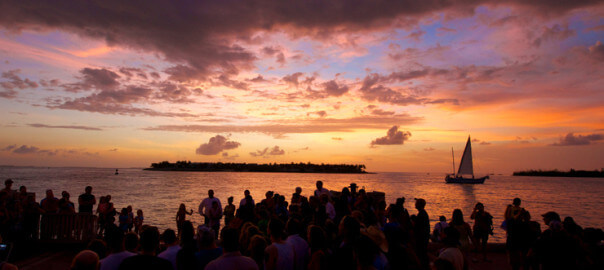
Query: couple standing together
211,210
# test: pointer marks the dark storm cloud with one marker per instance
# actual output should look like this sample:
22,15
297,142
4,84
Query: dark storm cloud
199,36
64,127
572,139
216,145
393,136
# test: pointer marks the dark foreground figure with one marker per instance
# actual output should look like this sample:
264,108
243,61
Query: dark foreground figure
351,229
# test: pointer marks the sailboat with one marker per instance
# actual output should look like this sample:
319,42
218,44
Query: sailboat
466,168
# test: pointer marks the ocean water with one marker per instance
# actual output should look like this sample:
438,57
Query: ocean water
159,194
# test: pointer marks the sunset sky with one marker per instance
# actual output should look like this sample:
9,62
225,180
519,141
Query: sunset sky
393,85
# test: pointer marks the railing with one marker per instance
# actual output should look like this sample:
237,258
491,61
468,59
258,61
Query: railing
68,227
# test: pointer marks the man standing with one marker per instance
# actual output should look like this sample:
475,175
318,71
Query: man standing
421,230
86,201
320,190
50,204
206,205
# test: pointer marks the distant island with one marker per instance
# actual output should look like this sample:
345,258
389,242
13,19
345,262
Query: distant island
556,173
255,167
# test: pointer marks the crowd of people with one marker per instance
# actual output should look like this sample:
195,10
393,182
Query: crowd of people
351,229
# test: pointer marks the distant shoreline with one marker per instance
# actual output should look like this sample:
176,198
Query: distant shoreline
556,173
189,166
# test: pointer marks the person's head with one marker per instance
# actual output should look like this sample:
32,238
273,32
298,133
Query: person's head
293,226
516,202
131,241
550,216
108,198
129,207
319,184
169,237
85,260
230,239
276,229
268,194
211,193
479,206
349,227
324,198
149,239
442,218
457,217
316,237
88,189
451,236
298,190
22,189
230,200
99,247
420,204
139,212
8,183
182,207
49,193
205,237
124,211
246,193
115,241
65,195
345,192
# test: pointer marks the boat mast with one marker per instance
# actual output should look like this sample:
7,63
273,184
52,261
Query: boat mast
453,156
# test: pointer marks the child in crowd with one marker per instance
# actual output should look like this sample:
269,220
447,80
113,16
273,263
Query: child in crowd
229,212
138,221
181,216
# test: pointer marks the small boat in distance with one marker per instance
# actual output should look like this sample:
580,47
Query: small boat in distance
116,172
466,168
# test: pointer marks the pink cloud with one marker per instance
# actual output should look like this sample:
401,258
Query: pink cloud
393,137
216,145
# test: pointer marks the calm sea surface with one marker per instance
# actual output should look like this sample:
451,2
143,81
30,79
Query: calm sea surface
159,194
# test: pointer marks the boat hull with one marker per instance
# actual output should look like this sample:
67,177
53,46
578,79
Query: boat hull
451,179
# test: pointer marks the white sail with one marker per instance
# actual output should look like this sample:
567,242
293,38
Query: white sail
465,166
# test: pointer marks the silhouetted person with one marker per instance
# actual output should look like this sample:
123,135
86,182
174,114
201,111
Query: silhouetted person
450,252
86,201
483,227
65,205
149,243
555,249
181,216
320,190
206,205
279,255
421,231
232,258
172,247
50,204
117,253
208,250
229,212
85,260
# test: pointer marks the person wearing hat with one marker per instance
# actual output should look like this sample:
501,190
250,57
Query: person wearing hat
555,249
